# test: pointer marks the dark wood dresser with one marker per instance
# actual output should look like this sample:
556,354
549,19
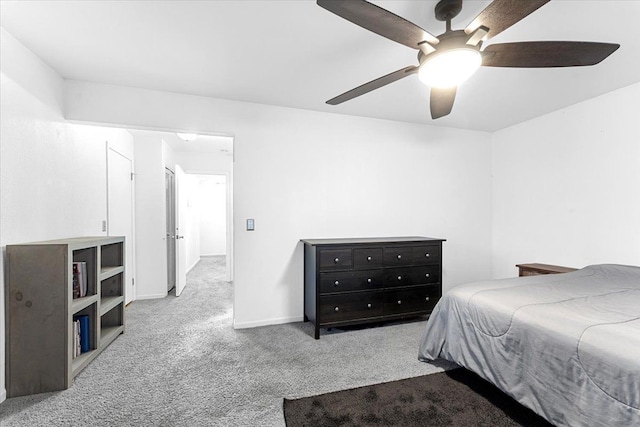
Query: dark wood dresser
355,281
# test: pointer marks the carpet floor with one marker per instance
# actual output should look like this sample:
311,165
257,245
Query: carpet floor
454,398
180,362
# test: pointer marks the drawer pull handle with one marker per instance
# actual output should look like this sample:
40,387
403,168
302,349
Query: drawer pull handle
426,275
399,256
369,280
337,282
426,299
399,302
337,260
336,309
399,277
369,258
427,254
368,305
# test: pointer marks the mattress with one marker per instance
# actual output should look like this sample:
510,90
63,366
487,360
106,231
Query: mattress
565,345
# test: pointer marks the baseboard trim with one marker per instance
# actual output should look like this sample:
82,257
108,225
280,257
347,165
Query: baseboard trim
193,266
3,395
255,324
152,296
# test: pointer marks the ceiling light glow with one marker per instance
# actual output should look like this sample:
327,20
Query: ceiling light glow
450,68
187,136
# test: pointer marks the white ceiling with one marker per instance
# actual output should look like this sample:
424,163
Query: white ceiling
296,54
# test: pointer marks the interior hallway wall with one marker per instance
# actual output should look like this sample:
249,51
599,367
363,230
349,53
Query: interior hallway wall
212,196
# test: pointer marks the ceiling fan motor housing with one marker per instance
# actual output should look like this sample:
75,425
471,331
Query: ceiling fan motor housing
446,10
450,40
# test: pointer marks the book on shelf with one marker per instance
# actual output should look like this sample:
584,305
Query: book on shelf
75,339
82,337
79,279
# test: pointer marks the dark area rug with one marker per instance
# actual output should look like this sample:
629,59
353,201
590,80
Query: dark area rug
453,398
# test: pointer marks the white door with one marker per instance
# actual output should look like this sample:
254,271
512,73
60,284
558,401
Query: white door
170,197
181,229
120,212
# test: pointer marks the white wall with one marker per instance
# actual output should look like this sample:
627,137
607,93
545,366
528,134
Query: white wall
304,174
53,176
566,186
212,196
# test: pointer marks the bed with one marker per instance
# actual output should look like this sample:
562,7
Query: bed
566,345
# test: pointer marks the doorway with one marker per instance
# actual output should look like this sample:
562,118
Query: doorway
211,220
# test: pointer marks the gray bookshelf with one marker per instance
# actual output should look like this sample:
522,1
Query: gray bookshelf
41,308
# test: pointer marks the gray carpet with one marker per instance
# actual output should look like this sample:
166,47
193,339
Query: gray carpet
180,362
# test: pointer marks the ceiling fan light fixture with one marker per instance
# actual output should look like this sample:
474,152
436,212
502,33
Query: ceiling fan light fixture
187,136
450,67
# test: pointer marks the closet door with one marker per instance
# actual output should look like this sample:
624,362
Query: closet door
120,211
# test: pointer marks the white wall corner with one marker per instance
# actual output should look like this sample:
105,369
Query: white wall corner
3,395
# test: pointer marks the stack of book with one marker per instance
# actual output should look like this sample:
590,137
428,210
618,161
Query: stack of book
81,334
79,279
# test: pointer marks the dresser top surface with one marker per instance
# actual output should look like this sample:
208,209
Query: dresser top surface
371,240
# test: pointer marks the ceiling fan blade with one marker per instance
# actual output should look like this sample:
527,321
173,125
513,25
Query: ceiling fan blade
442,101
545,54
373,85
379,20
501,14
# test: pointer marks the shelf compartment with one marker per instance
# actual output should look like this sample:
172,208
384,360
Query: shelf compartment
109,303
112,287
91,311
112,321
112,255
79,304
88,256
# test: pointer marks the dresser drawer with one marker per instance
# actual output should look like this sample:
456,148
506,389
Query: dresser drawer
424,254
367,258
410,300
351,306
398,255
350,281
408,276
426,275
335,259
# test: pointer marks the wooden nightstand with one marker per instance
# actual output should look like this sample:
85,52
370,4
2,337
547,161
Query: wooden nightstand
536,269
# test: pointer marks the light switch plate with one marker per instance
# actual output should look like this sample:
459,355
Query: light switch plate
251,225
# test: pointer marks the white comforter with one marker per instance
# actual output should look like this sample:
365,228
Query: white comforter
565,345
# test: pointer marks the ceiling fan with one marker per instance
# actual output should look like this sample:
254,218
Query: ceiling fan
447,60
